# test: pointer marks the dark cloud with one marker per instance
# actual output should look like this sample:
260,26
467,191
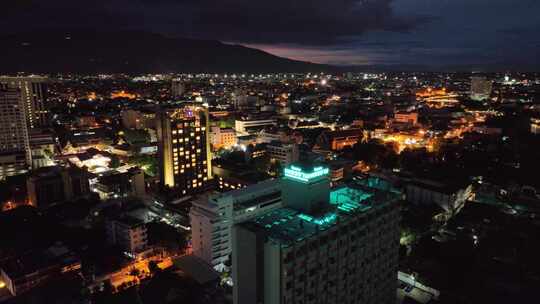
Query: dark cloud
311,22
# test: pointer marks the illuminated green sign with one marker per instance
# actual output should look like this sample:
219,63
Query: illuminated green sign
298,174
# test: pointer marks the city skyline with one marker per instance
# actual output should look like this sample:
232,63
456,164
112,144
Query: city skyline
269,152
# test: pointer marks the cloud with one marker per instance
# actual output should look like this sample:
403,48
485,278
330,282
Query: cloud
307,22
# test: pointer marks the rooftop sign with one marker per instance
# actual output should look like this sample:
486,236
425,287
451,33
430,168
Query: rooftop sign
296,173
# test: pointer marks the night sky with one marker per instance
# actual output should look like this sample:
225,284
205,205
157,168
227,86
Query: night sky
344,32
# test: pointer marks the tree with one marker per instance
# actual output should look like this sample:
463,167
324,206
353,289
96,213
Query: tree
166,236
134,272
147,163
153,267
136,136
115,162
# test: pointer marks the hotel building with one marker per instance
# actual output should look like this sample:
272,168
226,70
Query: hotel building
184,147
321,246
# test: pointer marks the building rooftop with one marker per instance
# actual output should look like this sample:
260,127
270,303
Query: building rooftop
39,260
287,225
197,269
251,190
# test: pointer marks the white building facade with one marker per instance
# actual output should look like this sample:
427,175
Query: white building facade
212,219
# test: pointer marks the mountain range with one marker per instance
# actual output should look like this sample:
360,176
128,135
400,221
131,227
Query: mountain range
135,52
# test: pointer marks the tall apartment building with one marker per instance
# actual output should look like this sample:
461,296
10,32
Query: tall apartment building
322,246
33,94
184,147
15,152
212,219
480,88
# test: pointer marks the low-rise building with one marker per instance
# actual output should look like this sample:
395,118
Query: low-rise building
114,184
338,140
34,269
222,138
450,197
285,154
252,125
43,146
134,119
52,185
127,232
410,118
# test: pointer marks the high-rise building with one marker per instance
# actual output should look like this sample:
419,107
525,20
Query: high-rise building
178,88
33,93
480,88
184,147
322,246
212,219
15,153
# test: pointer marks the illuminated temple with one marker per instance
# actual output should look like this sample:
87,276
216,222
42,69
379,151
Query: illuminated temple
334,245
